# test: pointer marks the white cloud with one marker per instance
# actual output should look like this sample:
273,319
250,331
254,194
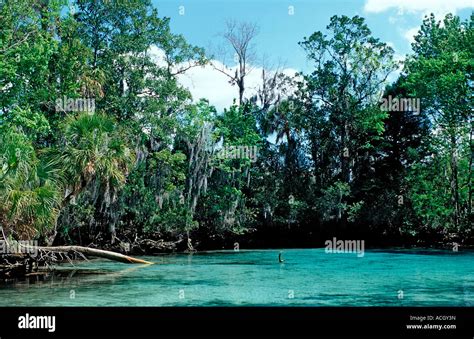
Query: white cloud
393,19
206,82
423,7
410,34
157,55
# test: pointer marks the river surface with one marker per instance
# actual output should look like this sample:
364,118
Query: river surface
307,277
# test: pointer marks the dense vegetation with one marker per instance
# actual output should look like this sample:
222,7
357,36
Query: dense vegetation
142,168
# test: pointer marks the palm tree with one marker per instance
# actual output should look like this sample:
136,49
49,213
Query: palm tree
94,151
29,187
36,186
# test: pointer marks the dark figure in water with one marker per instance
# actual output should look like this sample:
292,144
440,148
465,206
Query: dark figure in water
280,258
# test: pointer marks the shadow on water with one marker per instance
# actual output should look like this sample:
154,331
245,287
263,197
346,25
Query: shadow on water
77,276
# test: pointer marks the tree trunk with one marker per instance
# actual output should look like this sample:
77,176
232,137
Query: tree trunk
94,253
345,169
454,180
241,91
471,148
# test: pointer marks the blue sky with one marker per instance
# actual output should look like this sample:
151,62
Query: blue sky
280,32
393,21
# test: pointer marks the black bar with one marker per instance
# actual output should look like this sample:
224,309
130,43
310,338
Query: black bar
239,322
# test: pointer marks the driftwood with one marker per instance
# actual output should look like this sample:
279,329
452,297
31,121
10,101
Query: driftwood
92,252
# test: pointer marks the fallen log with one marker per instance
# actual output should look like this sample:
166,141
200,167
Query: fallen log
92,252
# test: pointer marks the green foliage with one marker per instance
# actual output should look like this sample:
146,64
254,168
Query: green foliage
95,147
440,73
147,163
30,202
33,124
331,204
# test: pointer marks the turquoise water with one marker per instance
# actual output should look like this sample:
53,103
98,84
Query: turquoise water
308,277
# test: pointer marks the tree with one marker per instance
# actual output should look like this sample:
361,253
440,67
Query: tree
440,74
240,36
224,208
30,188
342,117
384,186
148,103
351,67
95,157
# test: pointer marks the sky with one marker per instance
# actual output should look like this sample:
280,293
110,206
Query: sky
283,23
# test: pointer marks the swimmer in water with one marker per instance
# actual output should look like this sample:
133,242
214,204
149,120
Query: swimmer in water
280,258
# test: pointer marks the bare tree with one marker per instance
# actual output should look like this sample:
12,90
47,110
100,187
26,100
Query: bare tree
239,36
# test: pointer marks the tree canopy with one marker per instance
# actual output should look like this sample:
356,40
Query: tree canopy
101,144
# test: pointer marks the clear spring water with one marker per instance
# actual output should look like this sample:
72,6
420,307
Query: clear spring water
308,277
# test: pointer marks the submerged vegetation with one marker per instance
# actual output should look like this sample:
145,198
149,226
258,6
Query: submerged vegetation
142,170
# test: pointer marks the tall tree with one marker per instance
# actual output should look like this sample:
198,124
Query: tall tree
440,73
239,36
342,116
